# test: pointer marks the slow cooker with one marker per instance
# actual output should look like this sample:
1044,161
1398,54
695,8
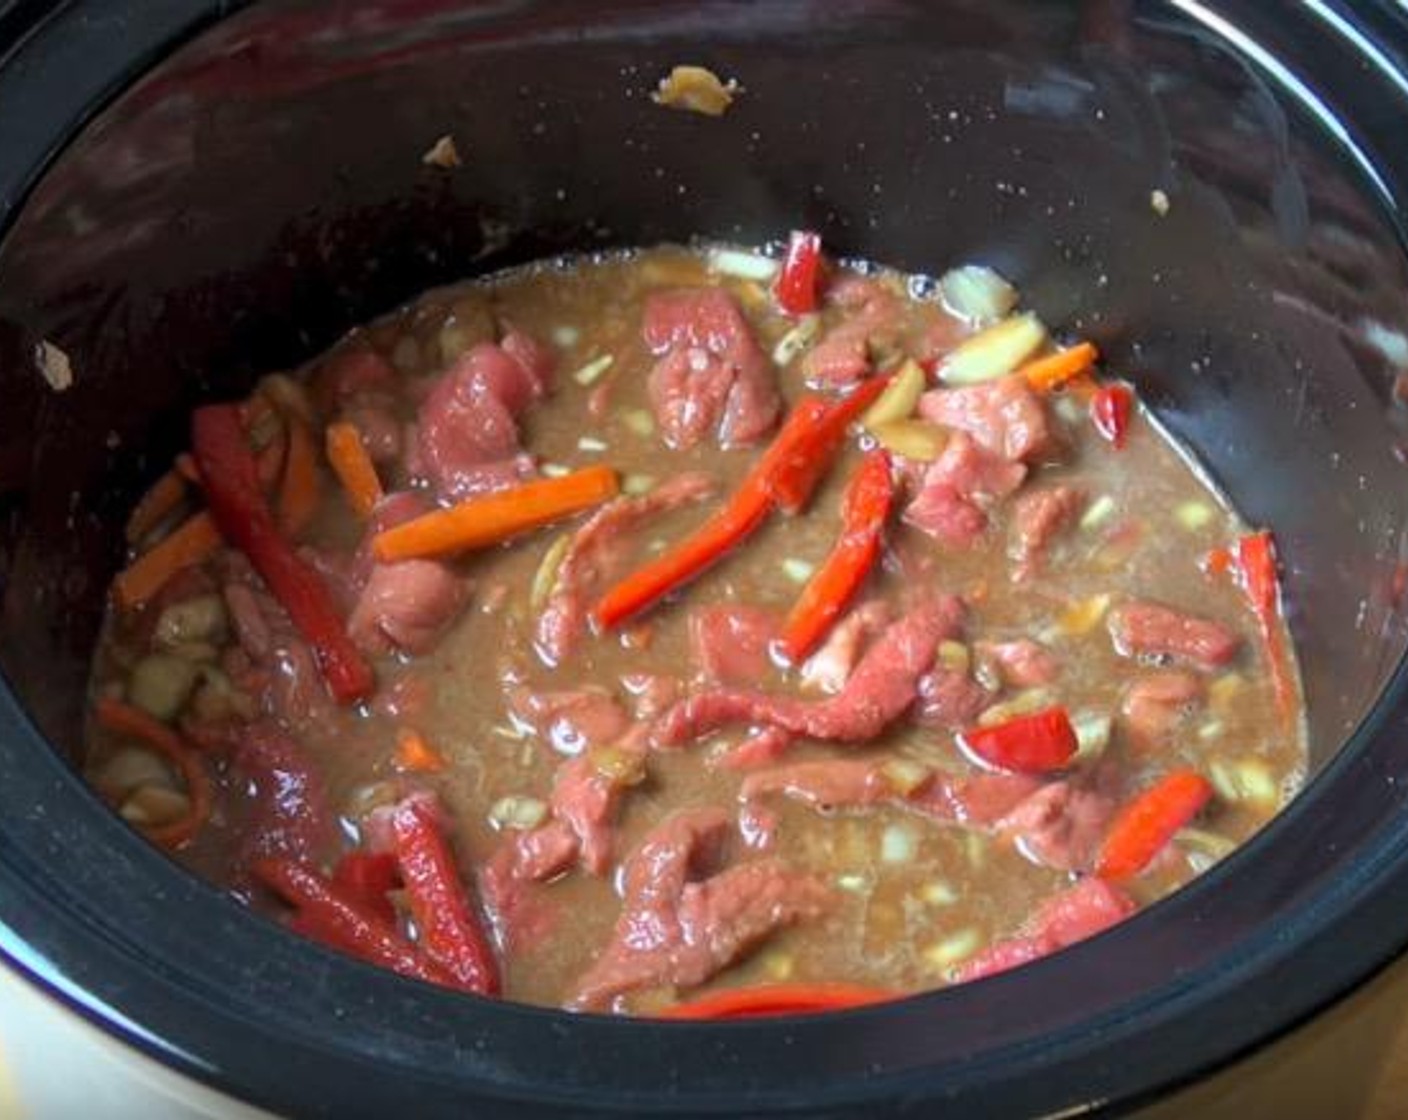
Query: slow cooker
196,191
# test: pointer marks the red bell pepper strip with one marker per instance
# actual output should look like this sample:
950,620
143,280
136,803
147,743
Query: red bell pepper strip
800,275
1031,744
450,929
1253,564
1142,828
804,451
369,877
699,551
784,476
864,508
1110,410
779,999
330,915
232,491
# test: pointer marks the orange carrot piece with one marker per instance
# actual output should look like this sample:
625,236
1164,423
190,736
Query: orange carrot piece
353,466
1142,828
156,505
300,489
488,520
413,753
132,723
192,542
1053,370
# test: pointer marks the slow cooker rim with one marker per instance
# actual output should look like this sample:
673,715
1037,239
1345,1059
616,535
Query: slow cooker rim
1377,886
1333,942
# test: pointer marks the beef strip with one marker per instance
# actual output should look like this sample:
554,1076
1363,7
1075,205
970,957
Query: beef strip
595,550
678,927
710,377
1145,629
881,689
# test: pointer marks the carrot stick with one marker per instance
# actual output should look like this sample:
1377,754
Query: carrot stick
156,505
353,466
480,522
193,542
1142,828
415,754
300,489
132,723
1053,370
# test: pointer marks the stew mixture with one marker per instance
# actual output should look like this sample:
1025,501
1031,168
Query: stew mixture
691,632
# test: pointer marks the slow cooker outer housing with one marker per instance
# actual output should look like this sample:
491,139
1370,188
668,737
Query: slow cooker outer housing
261,190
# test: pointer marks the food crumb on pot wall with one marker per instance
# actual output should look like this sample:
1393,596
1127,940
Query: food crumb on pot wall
54,366
696,89
443,153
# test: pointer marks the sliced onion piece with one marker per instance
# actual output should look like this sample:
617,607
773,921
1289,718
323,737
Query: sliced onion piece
900,397
977,293
744,265
917,440
994,352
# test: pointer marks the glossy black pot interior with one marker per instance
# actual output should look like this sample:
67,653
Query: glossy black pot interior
261,190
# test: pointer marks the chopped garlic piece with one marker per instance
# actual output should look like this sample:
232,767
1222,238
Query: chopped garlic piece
545,578
938,894
1098,512
955,656
1194,515
1224,690
591,373
798,571
953,949
639,421
898,844
797,339
519,813
1092,733
1082,617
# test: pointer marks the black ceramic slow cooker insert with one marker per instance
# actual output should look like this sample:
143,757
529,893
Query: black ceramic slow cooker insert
193,192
